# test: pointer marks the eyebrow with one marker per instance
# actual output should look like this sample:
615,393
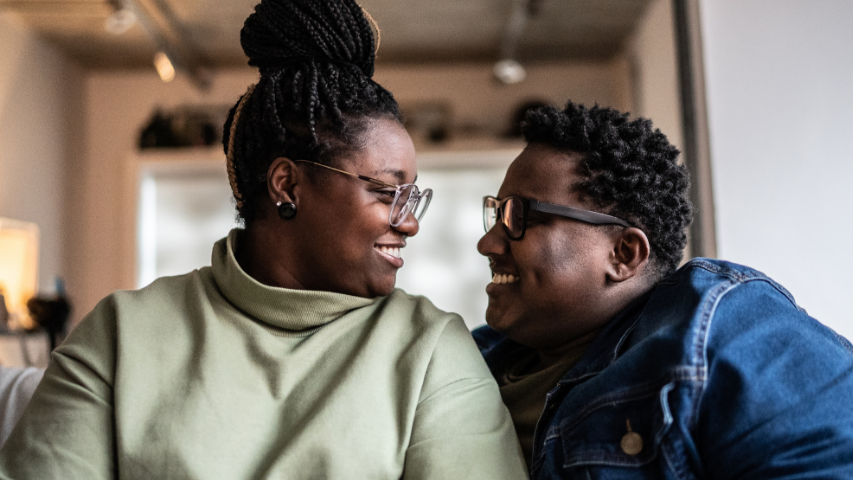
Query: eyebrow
399,174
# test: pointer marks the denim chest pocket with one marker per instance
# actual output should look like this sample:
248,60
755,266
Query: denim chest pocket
617,436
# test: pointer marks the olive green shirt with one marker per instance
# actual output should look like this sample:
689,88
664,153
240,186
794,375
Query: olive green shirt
524,386
212,375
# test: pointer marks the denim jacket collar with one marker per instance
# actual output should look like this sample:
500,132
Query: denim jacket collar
601,353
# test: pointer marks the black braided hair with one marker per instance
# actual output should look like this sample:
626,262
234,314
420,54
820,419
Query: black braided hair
315,96
628,170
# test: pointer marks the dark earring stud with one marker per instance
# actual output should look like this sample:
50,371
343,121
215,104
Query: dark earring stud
286,210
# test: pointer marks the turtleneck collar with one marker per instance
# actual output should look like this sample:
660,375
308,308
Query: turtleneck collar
296,310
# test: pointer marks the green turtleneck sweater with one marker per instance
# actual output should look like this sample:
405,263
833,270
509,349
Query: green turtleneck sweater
212,375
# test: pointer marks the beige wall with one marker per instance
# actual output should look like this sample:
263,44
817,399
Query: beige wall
652,53
478,100
41,137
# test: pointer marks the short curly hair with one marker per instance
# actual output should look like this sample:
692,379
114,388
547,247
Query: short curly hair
629,170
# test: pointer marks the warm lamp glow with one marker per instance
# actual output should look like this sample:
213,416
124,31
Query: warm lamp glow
18,268
164,67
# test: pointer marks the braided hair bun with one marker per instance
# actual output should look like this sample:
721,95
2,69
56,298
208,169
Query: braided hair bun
315,95
282,32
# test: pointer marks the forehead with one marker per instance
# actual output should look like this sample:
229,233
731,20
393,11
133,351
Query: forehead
542,173
388,153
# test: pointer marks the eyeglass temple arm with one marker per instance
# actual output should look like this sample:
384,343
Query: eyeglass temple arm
594,218
361,177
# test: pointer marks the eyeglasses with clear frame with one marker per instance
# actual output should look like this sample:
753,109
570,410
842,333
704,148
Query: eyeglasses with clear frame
408,198
512,212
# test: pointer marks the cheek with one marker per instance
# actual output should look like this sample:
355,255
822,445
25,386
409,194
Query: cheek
357,229
540,261
559,270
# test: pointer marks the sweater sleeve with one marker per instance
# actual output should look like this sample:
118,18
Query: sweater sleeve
67,429
461,428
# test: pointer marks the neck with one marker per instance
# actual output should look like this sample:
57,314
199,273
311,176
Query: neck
552,356
261,256
611,306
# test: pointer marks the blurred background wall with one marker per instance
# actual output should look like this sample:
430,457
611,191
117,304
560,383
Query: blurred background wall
781,120
42,114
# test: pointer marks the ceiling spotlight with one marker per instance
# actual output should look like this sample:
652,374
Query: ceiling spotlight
120,21
508,71
164,67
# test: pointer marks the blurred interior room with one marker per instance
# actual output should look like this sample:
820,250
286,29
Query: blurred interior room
111,114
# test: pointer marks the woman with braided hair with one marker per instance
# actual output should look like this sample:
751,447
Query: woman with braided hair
292,356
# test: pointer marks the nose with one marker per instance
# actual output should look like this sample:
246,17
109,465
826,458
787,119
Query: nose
494,242
409,227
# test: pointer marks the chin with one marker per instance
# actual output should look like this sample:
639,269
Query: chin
512,327
498,321
382,288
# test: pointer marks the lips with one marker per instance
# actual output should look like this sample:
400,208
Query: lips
390,253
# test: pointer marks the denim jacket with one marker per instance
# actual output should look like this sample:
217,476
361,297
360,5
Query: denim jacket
720,375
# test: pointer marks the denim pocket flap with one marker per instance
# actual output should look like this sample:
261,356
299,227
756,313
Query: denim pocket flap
622,429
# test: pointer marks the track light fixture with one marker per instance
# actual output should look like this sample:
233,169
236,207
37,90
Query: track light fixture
164,67
120,21
508,70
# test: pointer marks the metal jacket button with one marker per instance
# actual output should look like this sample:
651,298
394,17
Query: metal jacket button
632,442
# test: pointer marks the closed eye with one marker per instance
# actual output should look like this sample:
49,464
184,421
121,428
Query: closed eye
389,193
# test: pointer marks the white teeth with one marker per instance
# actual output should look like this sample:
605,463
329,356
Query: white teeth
393,251
502,278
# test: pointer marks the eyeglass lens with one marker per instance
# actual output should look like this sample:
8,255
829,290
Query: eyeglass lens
409,200
511,214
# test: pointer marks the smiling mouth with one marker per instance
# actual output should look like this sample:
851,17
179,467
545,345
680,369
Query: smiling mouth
503,278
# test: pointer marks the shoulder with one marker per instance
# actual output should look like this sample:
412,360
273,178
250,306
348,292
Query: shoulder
428,327
440,338
738,302
690,301
415,313
133,312
164,292
707,305
711,276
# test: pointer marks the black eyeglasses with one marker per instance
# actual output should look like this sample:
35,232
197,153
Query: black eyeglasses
512,213
407,197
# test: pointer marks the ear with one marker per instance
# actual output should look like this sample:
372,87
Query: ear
630,254
282,178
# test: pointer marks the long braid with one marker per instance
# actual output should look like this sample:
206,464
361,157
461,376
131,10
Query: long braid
232,169
316,59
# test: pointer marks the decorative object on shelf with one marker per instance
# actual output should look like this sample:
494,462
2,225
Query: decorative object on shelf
428,122
51,314
520,113
4,314
185,126
18,270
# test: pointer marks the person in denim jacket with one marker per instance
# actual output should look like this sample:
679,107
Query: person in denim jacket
614,362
